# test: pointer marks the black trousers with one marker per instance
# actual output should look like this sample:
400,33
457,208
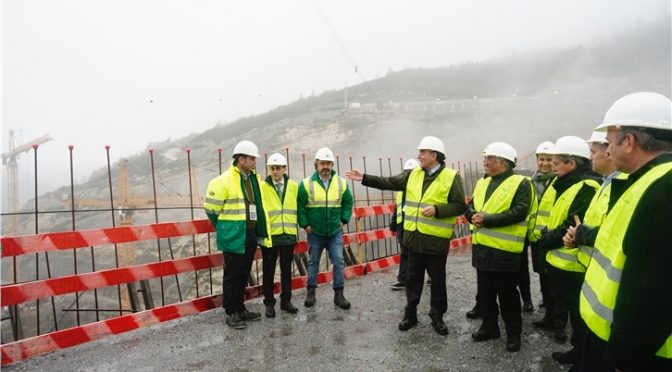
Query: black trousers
524,277
236,271
270,256
591,358
566,289
403,264
556,312
435,265
498,284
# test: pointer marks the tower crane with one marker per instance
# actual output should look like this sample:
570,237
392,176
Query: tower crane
9,159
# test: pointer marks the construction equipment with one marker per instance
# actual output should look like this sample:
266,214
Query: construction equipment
9,159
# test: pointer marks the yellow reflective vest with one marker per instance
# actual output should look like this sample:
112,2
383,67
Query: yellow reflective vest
595,214
225,206
400,217
564,258
507,238
436,194
281,211
600,287
542,211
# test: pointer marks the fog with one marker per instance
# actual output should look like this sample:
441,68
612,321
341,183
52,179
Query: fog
127,73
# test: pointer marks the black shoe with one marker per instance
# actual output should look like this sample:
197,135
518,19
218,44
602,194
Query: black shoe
568,357
483,334
235,322
288,307
270,311
397,286
543,324
249,316
439,326
512,343
528,307
475,313
560,335
407,323
310,298
340,300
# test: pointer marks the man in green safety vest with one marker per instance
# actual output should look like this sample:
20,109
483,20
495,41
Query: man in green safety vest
499,213
568,195
324,207
234,206
625,299
280,194
434,199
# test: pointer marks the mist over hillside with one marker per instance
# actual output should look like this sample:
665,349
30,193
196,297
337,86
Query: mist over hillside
522,99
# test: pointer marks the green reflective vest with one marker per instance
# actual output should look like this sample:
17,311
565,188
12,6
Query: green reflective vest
595,214
600,287
281,212
436,194
564,258
225,200
507,238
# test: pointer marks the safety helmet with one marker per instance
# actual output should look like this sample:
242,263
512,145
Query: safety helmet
277,159
246,147
501,150
324,154
411,164
544,148
641,109
571,145
598,137
431,143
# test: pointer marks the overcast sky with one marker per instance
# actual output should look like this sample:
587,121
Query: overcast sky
129,72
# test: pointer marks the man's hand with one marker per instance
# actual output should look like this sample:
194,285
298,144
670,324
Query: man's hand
569,239
308,229
477,219
355,175
429,211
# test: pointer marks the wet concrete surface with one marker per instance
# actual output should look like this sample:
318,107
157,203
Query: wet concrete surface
364,338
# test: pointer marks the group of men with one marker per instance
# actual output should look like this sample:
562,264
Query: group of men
248,211
599,226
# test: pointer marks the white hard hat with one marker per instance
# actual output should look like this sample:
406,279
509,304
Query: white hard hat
641,109
598,137
246,148
411,164
276,159
501,150
571,145
544,148
431,143
324,154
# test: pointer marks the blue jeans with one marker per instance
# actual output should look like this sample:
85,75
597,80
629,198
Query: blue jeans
334,245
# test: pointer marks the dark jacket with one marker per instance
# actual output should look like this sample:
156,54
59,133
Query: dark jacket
491,259
415,241
643,310
552,239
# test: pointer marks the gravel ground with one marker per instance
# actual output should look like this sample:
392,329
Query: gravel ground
364,338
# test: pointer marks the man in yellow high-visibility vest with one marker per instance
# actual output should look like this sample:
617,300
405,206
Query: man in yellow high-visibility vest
234,206
280,194
397,225
434,199
499,213
626,299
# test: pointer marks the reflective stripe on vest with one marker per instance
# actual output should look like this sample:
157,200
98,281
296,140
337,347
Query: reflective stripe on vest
435,195
565,258
506,238
600,287
595,214
319,198
282,214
